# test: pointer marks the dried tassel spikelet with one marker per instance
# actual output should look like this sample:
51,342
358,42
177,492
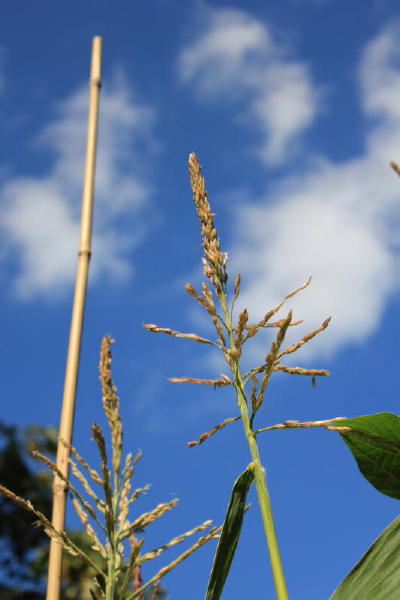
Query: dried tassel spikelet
131,563
215,382
216,321
253,394
101,445
271,358
190,289
272,355
207,270
98,437
254,371
279,323
233,354
278,367
240,327
85,484
127,464
253,329
152,515
147,518
138,492
395,167
74,550
123,501
111,403
51,465
214,260
119,555
137,457
137,581
236,287
96,547
299,289
204,436
208,299
293,424
92,472
110,399
242,321
301,371
188,336
89,529
225,378
27,505
126,482
213,533
342,430
48,528
176,540
305,338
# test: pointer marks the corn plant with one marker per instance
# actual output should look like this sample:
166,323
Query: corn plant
374,440
103,502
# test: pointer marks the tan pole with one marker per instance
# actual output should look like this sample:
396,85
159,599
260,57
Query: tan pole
75,336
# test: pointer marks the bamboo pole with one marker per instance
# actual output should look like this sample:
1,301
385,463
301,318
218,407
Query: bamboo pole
72,363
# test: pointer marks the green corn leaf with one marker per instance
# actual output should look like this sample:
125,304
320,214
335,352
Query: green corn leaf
230,534
376,576
374,441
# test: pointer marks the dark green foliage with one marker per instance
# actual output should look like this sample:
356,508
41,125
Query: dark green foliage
19,540
374,441
376,576
230,534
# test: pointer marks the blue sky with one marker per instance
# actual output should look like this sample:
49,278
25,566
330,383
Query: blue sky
293,108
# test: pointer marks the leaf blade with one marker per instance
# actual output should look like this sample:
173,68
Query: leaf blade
374,441
376,576
230,534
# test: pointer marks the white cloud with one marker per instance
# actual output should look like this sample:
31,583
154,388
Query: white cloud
339,223
379,75
40,215
235,57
